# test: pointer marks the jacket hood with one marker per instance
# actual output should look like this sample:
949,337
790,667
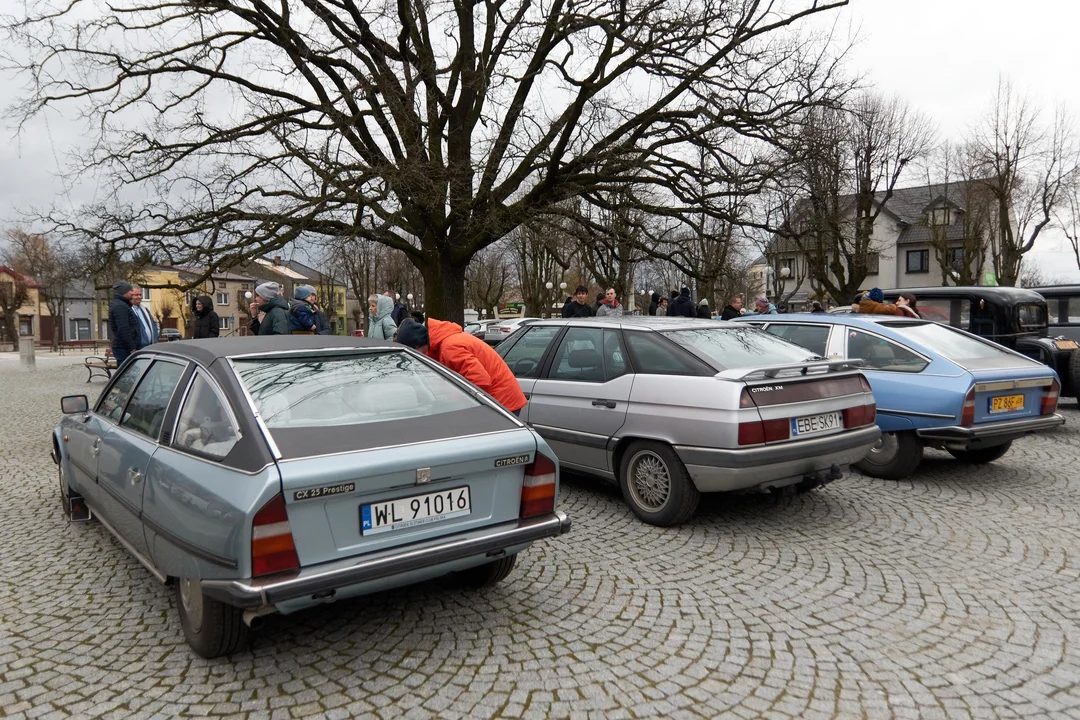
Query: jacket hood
383,307
684,292
439,330
207,303
277,302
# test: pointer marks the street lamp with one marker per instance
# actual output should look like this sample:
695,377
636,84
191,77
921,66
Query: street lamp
409,296
562,286
549,285
247,294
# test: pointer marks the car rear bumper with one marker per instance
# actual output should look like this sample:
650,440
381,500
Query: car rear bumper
991,433
327,577
723,470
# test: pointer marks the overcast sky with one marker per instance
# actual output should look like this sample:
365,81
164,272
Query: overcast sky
943,56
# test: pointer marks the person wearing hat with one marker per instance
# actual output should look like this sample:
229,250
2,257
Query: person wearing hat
703,311
123,326
301,316
269,312
469,356
874,304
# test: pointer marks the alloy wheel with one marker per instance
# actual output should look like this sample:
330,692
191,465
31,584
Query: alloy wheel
650,481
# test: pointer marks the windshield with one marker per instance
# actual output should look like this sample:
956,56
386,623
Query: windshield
948,342
740,347
336,390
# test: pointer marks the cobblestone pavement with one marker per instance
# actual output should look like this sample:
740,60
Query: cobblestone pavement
953,595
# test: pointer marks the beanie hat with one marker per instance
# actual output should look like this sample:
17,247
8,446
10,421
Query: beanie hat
704,302
876,295
122,287
302,292
412,333
267,291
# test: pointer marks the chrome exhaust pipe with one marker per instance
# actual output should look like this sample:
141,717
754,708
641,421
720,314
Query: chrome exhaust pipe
253,618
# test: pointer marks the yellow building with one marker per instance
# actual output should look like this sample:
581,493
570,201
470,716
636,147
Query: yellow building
32,317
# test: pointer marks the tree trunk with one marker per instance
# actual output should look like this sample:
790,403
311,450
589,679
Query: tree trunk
11,329
444,287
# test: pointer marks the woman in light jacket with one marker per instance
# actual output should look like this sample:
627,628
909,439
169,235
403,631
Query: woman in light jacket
381,326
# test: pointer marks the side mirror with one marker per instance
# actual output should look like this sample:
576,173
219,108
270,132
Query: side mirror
74,404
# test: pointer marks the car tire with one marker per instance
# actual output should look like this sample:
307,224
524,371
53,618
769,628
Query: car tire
1073,386
655,484
211,628
982,455
894,457
488,574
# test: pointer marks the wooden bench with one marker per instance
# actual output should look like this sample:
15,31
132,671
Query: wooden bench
100,366
79,345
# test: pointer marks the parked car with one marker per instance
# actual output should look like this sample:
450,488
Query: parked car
1062,310
169,335
673,407
498,331
1013,317
478,328
273,474
935,386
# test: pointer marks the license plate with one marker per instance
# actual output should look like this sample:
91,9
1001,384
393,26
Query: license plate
812,424
1006,403
414,510
1066,344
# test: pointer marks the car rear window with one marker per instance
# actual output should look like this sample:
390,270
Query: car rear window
739,347
348,390
947,341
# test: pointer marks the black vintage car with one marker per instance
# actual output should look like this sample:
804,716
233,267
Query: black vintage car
1062,309
1010,316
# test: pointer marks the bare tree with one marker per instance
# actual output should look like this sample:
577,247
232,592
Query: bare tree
487,279
536,265
52,266
1025,165
1068,215
845,171
433,127
959,231
13,295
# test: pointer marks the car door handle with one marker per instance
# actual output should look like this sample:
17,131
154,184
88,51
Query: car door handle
96,448
135,475
604,403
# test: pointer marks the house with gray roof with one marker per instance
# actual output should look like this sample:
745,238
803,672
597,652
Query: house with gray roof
932,234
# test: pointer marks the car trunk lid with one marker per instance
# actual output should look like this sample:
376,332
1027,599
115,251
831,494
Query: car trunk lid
1007,394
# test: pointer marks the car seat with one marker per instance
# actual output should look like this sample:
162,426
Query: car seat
588,363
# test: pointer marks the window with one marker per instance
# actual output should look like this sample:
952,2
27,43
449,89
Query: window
814,338
940,216
951,343
1031,315
939,310
918,261
873,263
580,356
349,390
525,355
146,410
80,329
739,347
146,293
245,286
955,258
224,322
1072,314
223,285
882,354
203,424
112,402
614,355
222,299
652,355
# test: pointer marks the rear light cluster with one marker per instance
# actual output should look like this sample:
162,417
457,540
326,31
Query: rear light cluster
538,490
860,415
762,431
967,418
1050,398
272,546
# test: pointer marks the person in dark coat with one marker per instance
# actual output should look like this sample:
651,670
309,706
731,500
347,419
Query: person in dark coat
301,315
123,327
654,303
703,311
733,309
579,304
599,302
400,311
269,312
206,323
682,306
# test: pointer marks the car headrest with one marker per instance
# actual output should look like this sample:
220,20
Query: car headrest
584,359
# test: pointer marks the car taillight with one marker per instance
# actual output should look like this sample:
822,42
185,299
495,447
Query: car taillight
1050,398
865,383
860,415
968,417
745,401
762,431
538,489
272,547
505,329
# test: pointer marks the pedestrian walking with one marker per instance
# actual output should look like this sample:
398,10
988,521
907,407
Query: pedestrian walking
206,323
472,358
381,325
123,326
682,306
269,312
703,311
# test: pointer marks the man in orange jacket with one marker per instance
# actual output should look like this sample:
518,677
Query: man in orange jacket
469,356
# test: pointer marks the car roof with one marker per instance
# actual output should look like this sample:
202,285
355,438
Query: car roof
835,319
637,321
1000,293
1056,290
208,350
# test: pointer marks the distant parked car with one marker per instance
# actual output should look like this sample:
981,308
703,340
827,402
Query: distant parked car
357,333
498,331
935,386
672,407
1062,310
478,328
273,474
169,334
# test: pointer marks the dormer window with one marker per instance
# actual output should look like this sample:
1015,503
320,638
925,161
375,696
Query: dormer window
940,216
